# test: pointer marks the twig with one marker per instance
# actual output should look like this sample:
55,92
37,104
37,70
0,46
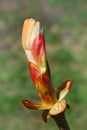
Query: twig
61,122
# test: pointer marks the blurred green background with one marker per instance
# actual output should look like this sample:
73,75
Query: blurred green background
65,26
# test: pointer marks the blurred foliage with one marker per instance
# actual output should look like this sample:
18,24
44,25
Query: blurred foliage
65,24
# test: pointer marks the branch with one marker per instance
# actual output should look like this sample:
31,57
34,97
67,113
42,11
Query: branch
61,121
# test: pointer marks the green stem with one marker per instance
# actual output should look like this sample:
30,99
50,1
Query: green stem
61,122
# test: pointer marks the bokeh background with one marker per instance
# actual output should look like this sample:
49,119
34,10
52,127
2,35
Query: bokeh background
65,27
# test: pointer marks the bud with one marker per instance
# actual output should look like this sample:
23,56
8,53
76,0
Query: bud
33,43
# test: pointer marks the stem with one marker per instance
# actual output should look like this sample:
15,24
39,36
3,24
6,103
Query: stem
61,122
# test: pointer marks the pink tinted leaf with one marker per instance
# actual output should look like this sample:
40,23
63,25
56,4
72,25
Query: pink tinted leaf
64,89
34,72
38,49
67,84
45,89
34,105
